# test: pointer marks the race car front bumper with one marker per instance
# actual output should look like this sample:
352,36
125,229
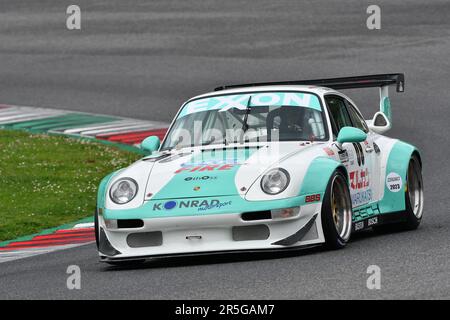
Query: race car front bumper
170,236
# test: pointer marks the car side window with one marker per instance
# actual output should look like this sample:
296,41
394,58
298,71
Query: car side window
357,118
338,113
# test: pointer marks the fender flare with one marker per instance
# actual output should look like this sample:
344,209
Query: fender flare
318,175
397,163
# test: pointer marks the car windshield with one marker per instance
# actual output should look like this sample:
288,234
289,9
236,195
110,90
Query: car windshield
250,117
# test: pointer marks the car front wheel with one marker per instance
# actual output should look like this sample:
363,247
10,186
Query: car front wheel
337,212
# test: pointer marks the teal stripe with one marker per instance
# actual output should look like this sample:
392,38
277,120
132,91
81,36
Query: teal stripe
398,162
218,182
232,204
317,176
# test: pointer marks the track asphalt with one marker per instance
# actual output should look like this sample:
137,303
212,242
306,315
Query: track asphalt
142,59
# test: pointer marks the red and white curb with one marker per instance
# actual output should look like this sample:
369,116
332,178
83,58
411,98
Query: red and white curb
75,124
58,240
103,127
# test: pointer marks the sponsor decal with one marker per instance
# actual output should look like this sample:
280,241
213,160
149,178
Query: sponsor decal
359,225
394,182
216,205
202,168
343,156
201,205
240,101
202,178
372,221
169,205
223,164
367,223
359,179
361,197
312,198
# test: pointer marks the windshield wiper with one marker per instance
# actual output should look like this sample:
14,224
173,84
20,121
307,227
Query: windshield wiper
247,111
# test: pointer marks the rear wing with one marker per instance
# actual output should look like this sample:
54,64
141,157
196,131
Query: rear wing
376,80
382,81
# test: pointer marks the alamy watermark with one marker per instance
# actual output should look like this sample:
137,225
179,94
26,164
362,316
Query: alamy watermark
374,280
74,278
373,21
73,21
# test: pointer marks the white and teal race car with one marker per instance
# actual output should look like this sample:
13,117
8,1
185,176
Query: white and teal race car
263,166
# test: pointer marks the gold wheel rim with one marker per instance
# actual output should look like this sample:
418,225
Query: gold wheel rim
341,209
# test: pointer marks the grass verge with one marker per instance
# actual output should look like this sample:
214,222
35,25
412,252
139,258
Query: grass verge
46,181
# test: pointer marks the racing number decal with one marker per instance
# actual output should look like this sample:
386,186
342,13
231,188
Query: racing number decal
359,179
359,153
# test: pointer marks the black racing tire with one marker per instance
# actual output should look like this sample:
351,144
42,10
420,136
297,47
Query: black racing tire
336,212
412,215
96,228
413,195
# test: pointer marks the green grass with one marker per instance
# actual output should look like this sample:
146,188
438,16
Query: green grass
46,181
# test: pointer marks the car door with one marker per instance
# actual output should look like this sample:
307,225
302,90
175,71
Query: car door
352,155
370,149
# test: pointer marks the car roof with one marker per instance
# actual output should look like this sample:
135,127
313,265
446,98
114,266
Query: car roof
312,89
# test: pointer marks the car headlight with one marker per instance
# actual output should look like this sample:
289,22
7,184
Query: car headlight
123,190
275,181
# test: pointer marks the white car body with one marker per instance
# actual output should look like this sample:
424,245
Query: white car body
169,222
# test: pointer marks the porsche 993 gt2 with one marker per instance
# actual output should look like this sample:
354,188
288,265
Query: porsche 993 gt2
263,166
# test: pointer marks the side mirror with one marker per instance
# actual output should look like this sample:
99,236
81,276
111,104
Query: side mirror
150,144
380,123
350,134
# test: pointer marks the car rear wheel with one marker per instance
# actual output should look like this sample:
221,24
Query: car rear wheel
414,194
337,212
414,197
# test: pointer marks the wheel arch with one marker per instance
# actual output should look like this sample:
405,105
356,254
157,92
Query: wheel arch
317,180
397,163
318,175
344,171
